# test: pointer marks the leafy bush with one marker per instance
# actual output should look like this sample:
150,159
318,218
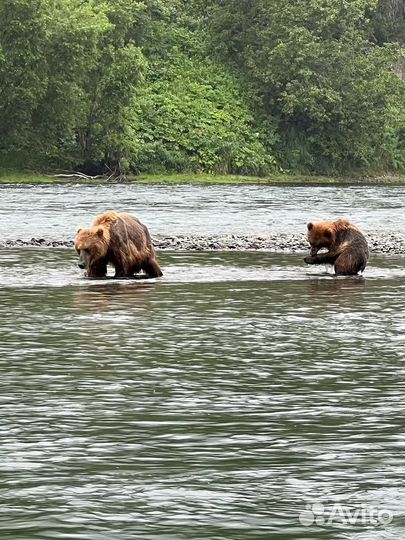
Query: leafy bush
190,117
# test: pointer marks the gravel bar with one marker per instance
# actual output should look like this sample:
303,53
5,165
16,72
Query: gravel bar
385,243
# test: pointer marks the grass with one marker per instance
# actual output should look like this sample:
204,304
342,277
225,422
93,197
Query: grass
8,176
274,179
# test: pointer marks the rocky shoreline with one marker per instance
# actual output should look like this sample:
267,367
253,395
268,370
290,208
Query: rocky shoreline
383,243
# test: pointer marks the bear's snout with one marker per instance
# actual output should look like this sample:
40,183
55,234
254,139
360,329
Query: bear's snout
81,265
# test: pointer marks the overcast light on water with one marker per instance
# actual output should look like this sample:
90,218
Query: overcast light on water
57,211
242,396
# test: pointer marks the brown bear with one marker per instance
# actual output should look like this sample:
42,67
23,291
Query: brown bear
347,247
121,240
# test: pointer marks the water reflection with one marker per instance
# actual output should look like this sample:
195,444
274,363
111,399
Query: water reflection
336,289
113,297
214,403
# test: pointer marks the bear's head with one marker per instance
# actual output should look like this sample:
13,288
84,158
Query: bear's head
320,235
92,245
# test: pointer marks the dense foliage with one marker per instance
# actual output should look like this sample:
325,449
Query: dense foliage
202,85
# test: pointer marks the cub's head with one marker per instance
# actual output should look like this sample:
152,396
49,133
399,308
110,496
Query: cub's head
320,235
91,245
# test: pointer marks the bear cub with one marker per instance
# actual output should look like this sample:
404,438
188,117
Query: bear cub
347,246
118,239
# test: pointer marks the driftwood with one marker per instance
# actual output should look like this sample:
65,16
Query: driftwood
75,174
110,174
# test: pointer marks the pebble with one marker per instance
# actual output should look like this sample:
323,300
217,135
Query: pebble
386,243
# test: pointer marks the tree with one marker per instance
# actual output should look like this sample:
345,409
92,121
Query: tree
68,70
390,20
109,88
314,69
23,65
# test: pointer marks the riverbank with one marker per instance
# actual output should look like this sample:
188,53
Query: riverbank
379,243
34,178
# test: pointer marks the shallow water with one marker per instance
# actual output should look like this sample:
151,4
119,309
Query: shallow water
214,403
55,212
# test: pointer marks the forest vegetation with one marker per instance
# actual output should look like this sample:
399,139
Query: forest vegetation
203,86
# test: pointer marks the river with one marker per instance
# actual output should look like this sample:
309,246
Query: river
55,212
239,397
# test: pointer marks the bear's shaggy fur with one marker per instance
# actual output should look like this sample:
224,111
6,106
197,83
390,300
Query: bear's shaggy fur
121,240
347,247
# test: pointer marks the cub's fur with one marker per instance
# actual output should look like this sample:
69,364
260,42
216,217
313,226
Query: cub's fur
347,246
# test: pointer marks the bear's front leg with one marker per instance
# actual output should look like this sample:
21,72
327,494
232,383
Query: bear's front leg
98,270
322,258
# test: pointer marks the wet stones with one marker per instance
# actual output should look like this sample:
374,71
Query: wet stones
391,243
386,243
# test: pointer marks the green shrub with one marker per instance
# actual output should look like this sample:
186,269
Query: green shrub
190,116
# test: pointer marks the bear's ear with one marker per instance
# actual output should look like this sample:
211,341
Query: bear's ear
310,226
100,232
78,230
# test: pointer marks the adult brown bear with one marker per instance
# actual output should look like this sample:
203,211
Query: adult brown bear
118,239
347,247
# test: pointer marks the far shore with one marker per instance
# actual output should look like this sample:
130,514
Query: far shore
15,177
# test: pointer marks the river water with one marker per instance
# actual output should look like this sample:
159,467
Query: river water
239,397
55,212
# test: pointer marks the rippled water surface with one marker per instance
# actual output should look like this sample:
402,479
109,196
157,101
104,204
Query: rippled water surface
55,212
214,403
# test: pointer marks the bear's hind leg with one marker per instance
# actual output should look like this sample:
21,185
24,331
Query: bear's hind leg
151,268
347,264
